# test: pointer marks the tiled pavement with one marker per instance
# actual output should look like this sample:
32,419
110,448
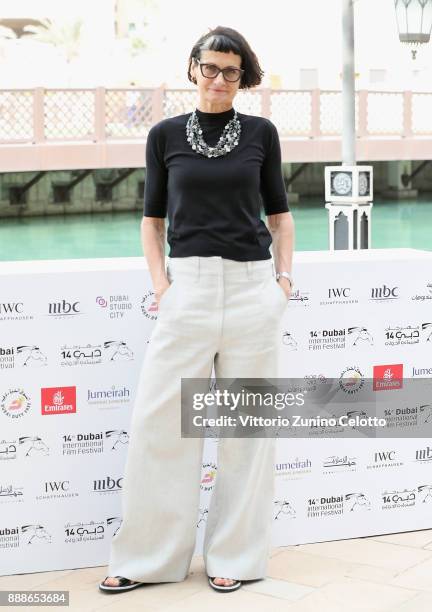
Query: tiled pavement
390,573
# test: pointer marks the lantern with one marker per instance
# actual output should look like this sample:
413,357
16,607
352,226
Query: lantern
414,21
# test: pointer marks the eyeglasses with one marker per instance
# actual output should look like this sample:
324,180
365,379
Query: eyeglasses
210,71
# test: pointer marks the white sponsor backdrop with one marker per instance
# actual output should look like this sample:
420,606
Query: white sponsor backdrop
73,335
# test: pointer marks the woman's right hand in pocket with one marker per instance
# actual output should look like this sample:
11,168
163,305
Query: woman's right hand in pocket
159,291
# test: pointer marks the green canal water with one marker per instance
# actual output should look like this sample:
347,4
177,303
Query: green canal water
394,224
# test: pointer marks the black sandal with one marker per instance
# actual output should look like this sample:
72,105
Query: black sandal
124,585
224,588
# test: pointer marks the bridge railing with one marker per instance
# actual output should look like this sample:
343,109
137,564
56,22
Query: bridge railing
101,114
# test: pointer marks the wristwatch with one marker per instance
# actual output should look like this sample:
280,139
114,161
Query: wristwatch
285,275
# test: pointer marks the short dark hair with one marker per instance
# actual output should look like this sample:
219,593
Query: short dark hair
225,40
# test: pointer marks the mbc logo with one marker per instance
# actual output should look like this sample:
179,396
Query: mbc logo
64,308
384,293
107,484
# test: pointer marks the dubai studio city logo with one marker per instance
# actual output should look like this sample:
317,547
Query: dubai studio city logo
15,403
101,301
351,380
115,306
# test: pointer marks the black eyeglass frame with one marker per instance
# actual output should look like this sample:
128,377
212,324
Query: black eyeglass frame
201,64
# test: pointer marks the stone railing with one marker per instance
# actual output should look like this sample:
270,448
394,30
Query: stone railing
37,116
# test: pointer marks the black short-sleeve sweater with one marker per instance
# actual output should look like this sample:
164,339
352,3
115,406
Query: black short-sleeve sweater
214,204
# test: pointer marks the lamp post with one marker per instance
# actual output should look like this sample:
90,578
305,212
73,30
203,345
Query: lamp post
349,187
414,22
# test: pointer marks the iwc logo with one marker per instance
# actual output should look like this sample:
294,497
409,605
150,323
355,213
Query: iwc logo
351,380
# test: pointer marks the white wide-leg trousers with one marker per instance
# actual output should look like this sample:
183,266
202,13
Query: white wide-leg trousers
215,311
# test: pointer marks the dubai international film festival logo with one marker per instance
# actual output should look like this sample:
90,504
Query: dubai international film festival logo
29,356
360,336
289,341
351,380
15,403
283,509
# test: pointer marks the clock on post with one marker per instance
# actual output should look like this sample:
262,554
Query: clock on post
349,195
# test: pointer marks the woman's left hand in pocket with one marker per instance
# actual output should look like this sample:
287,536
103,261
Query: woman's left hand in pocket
286,286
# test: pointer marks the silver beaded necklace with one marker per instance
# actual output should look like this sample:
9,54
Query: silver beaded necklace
226,143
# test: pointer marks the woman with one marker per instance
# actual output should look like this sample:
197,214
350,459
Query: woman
219,304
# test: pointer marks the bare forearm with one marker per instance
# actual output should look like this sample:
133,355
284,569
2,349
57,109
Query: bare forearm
153,245
281,227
